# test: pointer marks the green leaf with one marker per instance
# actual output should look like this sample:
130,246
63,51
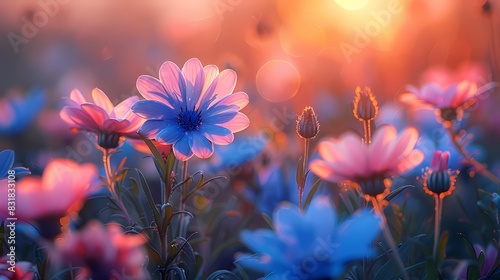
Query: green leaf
311,193
470,247
157,155
441,249
149,197
167,213
154,256
134,188
202,183
480,260
431,270
397,191
473,272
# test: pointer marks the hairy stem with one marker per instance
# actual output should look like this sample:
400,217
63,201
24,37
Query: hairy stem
106,159
437,224
182,230
304,166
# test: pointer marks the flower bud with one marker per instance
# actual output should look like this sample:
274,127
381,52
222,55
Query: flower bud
365,105
439,180
307,124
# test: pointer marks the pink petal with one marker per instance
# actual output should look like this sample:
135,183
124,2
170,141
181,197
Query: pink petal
323,170
117,126
238,123
223,85
200,145
239,99
384,135
406,143
77,97
124,107
210,73
79,118
152,89
102,100
171,77
413,159
191,69
464,91
96,113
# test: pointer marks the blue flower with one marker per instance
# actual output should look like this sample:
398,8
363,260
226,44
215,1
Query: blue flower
310,245
18,113
193,108
6,163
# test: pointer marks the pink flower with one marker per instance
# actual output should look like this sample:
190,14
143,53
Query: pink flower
349,159
62,189
443,97
101,117
105,252
192,109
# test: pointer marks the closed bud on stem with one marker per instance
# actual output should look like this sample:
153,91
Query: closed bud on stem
365,105
439,180
307,124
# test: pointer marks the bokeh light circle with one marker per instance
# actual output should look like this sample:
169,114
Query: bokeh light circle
277,80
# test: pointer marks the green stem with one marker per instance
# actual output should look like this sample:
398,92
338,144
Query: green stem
182,230
304,166
477,165
367,131
106,159
388,237
437,224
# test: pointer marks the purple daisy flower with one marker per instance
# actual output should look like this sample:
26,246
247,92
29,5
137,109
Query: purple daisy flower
193,108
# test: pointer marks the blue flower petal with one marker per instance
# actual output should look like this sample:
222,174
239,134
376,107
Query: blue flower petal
321,216
217,134
181,149
200,145
356,236
154,110
263,241
150,128
170,134
292,227
21,171
219,118
6,162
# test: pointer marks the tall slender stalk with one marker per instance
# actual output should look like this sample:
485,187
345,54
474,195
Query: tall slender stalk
106,159
437,224
388,237
367,131
182,230
304,166
477,165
